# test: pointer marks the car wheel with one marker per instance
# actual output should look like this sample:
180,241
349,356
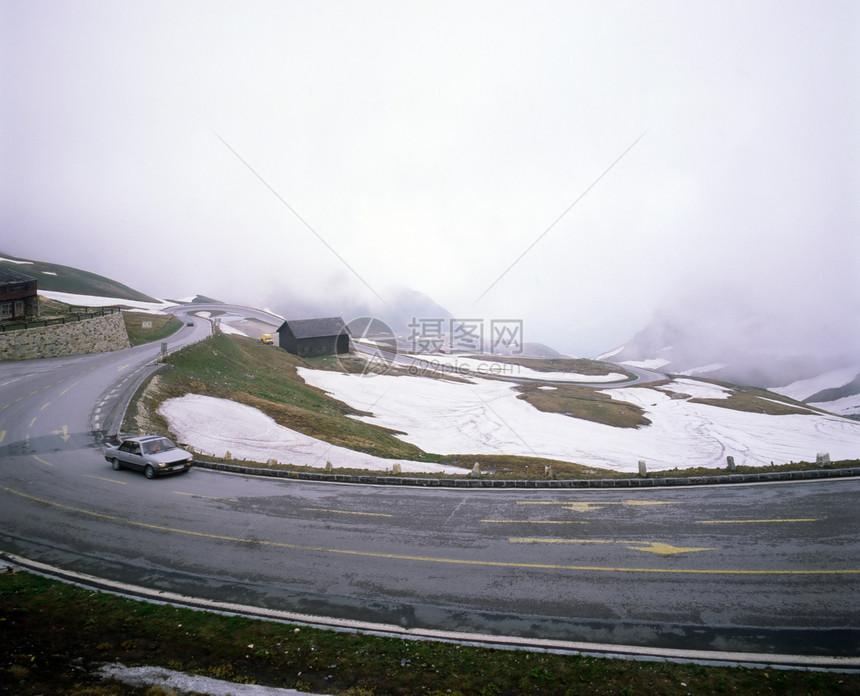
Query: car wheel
115,463
149,472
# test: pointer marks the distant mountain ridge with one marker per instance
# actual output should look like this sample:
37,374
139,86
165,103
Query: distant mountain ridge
733,343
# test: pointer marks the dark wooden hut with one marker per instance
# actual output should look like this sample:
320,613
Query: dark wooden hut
309,337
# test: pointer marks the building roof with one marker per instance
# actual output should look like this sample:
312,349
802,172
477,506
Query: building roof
10,277
314,328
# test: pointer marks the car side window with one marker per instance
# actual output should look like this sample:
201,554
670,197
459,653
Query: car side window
135,448
125,447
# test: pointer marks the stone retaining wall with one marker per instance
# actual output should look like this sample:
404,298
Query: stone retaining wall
96,335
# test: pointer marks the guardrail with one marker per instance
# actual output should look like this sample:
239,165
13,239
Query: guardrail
71,318
466,482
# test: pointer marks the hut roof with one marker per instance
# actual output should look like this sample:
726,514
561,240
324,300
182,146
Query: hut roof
313,328
10,277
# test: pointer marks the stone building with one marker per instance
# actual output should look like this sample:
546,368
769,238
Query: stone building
19,297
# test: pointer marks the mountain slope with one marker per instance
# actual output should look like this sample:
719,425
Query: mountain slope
811,358
57,278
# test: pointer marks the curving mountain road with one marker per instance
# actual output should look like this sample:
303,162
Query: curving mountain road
752,572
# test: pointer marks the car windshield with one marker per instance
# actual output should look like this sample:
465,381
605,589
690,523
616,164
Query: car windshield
159,445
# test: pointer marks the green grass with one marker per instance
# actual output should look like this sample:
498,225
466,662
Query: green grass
52,308
53,633
161,326
246,371
52,276
756,400
585,403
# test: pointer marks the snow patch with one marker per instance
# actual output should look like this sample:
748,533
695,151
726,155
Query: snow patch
187,683
804,388
98,301
846,406
652,364
20,263
476,366
704,369
698,390
217,426
231,330
606,356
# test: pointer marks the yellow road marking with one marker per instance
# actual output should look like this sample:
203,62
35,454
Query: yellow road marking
33,422
430,559
534,521
122,367
2,435
33,393
348,512
589,506
5,406
64,433
102,478
20,398
45,405
797,519
207,497
647,546
71,386
42,461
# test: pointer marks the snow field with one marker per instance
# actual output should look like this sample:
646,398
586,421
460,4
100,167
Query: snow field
217,426
485,417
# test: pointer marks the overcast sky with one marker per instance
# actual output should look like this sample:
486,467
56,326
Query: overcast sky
429,144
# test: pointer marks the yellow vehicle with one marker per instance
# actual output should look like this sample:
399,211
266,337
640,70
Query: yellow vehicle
267,339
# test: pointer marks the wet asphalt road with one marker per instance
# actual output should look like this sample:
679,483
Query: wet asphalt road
749,568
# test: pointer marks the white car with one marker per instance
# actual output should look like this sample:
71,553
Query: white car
154,455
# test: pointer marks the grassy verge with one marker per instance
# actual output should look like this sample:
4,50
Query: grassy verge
52,308
145,327
54,634
246,371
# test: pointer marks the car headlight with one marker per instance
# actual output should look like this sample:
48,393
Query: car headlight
161,465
